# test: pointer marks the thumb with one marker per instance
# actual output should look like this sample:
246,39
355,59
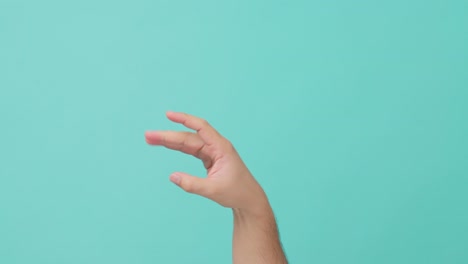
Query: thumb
190,183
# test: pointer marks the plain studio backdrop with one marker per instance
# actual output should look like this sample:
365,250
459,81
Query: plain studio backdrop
351,114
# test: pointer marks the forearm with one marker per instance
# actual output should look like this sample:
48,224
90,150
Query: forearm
256,239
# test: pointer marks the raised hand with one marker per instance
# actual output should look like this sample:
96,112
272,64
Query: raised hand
228,181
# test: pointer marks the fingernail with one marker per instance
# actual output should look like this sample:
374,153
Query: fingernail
152,137
149,133
175,178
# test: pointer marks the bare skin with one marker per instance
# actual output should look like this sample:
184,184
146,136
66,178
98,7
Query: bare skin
229,183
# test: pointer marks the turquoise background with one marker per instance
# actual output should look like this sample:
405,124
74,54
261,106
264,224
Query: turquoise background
351,114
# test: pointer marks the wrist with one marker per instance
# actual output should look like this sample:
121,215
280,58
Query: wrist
257,208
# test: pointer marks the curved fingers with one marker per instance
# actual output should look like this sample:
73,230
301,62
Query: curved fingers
203,128
186,142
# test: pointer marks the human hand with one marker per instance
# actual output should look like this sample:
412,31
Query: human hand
228,181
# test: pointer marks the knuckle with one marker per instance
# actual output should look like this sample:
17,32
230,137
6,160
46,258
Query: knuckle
228,145
204,122
188,186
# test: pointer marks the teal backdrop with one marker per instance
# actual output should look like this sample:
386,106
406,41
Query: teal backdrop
351,114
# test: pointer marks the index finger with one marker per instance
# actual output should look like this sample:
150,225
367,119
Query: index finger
207,133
